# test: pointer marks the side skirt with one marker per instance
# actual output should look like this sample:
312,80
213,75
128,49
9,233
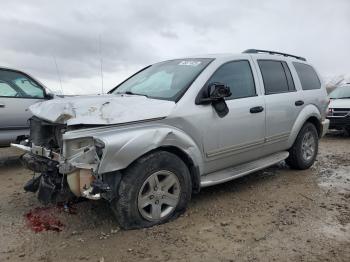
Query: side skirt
241,170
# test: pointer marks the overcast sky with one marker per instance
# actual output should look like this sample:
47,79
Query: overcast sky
35,33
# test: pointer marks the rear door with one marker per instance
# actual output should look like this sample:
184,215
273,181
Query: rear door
283,102
17,92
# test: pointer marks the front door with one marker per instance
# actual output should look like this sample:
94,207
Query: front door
239,136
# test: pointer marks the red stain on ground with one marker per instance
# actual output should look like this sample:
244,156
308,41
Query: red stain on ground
43,219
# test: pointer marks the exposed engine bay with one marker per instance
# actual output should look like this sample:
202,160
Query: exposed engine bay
46,134
78,145
62,171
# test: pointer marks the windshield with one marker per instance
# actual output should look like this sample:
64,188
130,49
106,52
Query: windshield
167,80
340,92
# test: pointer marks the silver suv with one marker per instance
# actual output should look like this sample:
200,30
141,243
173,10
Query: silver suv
175,127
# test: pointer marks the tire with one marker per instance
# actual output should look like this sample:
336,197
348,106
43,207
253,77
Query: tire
139,187
300,155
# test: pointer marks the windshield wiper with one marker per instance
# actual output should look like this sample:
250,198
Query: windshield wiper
131,93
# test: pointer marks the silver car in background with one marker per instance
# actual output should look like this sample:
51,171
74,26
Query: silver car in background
175,127
18,91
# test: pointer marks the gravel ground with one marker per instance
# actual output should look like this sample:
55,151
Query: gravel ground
277,214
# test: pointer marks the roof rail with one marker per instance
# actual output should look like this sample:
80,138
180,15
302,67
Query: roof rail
256,51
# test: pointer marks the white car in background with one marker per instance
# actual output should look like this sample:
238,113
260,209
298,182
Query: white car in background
339,108
18,91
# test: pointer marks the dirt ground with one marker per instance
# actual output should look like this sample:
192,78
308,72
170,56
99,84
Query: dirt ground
277,214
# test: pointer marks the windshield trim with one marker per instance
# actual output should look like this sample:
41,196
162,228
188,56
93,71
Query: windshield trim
181,94
114,88
178,96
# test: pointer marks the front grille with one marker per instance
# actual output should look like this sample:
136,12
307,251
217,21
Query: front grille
341,109
339,121
46,134
340,112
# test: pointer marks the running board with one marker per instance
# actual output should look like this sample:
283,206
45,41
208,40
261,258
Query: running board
241,170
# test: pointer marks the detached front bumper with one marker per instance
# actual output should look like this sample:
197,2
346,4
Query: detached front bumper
51,186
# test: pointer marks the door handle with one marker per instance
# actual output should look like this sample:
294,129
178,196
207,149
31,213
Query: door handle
256,109
299,103
2,105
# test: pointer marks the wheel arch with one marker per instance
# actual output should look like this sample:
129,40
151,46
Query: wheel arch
192,167
309,113
124,149
317,123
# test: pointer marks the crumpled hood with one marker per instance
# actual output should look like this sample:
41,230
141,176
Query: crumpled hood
101,109
339,103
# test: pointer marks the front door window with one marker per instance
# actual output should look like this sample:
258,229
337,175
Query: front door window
15,84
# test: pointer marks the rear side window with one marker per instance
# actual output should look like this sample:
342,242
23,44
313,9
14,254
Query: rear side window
307,75
238,76
276,76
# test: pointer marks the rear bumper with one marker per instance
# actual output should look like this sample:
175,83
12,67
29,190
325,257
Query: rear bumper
339,122
325,127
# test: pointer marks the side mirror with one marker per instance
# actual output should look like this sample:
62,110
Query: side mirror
215,94
50,95
217,91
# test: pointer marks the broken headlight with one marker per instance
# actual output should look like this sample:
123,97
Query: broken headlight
76,146
83,153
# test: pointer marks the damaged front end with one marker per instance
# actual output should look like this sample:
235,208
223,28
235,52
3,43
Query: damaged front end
62,169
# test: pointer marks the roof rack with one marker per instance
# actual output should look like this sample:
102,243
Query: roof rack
256,51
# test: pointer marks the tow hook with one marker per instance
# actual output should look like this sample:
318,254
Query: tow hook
97,188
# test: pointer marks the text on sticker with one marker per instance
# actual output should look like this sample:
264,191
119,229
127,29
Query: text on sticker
189,63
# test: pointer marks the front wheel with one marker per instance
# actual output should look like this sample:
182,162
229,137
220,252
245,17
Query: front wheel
303,153
153,190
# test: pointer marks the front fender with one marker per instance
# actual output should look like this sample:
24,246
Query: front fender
307,112
124,146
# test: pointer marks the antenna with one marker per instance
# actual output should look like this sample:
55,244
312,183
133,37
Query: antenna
58,73
100,53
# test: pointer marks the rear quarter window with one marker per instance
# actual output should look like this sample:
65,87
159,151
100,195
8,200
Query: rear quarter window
276,76
307,75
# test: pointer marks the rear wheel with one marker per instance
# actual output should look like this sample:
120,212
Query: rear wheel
304,150
153,190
